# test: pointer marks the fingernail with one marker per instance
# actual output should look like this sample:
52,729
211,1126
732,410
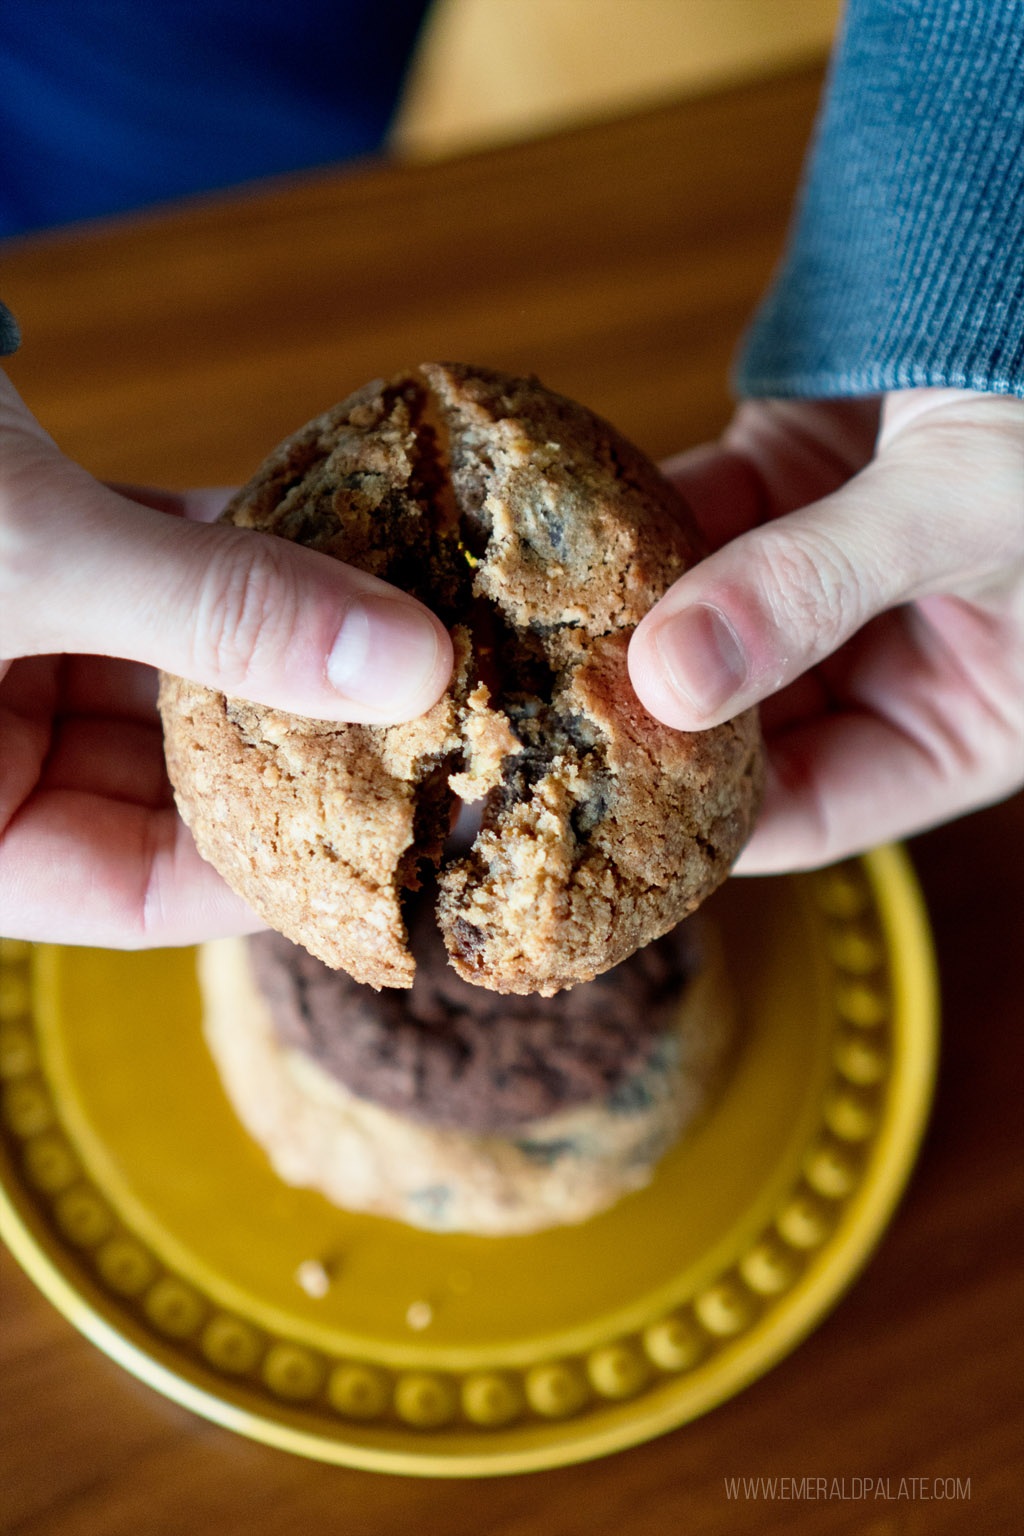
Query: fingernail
384,654
703,659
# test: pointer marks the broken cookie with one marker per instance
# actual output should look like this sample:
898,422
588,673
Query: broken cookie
541,538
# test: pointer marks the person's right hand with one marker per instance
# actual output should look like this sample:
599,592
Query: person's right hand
94,583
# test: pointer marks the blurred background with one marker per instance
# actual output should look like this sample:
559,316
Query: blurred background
493,71
630,169
107,107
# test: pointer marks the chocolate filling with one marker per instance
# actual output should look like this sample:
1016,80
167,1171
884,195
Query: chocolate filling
449,1053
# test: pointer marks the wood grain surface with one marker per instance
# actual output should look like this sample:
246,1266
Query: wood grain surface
619,263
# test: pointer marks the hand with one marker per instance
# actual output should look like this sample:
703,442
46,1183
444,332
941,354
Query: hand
872,595
93,582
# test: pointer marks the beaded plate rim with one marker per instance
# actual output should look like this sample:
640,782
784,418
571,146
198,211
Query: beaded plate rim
625,1390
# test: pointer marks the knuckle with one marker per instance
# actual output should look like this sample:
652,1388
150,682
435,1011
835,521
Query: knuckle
245,610
812,587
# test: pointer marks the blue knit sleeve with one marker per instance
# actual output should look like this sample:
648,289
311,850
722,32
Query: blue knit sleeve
905,264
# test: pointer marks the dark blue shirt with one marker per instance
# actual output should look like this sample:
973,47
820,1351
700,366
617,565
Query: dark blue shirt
109,105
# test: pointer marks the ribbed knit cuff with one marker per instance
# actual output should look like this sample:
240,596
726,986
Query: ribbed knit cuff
905,264
10,336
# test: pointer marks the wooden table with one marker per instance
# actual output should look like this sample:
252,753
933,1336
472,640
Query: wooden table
620,263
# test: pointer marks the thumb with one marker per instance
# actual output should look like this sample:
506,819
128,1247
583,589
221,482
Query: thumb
776,601
87,570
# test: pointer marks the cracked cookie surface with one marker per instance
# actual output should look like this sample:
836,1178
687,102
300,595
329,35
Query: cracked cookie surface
541,537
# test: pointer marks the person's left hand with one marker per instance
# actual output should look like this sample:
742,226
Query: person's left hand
870,595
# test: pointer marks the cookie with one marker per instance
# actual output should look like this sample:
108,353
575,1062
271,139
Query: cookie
364,1154
541,537
447,1053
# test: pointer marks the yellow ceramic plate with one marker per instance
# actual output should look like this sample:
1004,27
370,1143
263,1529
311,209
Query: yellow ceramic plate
131,1195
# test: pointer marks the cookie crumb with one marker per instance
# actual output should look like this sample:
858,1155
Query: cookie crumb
314,1278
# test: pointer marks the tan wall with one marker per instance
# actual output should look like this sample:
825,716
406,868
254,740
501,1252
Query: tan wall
490,71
